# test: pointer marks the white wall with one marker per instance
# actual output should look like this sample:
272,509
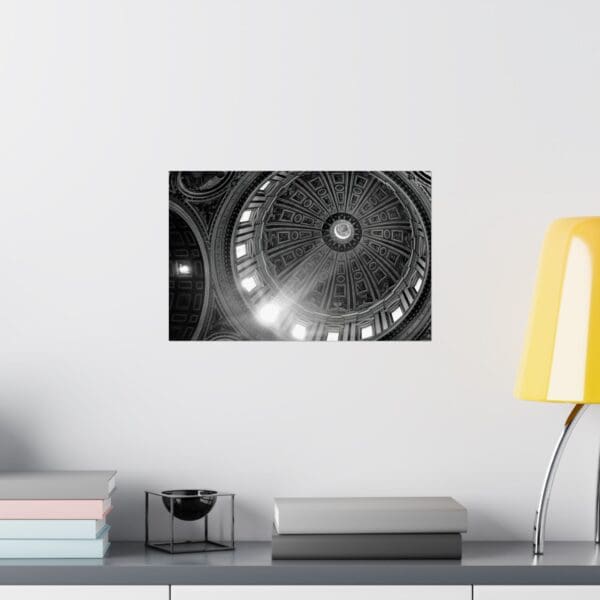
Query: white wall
99,100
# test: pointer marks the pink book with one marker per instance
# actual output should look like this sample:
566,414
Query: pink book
55,509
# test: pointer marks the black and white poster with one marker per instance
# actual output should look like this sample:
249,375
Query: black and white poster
330,256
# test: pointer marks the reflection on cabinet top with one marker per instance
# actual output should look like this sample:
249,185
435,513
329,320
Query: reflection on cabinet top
483,563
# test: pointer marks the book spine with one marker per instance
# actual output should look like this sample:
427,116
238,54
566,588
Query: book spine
50,529
52,509
326,520
367,546
58,486
53,548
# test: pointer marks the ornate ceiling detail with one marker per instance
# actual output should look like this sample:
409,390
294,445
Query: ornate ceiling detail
309,255
187,277
203,185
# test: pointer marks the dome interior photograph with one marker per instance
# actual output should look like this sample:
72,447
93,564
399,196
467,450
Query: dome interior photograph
300,255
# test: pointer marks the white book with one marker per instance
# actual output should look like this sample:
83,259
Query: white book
53,529
369,515
95,548
56,485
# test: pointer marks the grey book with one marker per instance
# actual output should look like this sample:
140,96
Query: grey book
56,485
366,546
369,515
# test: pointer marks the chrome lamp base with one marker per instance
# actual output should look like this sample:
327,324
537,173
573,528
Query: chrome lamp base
539,526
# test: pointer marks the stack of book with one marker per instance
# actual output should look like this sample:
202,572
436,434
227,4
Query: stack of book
55,514
368,528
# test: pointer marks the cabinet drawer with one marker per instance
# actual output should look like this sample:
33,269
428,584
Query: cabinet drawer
81,592
536,592
321,592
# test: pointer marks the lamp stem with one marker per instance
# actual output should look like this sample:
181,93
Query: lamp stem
597,535
539,527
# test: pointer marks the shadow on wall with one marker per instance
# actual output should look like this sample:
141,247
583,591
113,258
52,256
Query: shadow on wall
247,515
482,520
17,453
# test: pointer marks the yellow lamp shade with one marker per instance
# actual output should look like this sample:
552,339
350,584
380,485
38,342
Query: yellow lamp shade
561,358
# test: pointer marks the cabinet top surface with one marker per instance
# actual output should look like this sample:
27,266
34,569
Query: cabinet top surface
483,563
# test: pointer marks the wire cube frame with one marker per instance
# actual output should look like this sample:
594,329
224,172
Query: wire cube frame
182,547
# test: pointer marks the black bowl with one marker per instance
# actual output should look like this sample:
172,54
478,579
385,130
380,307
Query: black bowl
197,506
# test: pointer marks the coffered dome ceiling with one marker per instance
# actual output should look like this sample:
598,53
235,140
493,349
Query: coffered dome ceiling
323,255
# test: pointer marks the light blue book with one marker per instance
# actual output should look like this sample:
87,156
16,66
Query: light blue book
53,529
97,548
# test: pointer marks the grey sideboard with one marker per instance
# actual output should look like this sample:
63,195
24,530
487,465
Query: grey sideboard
487,571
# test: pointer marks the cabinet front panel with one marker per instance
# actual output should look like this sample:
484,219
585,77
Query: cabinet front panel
536,592
83,592
310,592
